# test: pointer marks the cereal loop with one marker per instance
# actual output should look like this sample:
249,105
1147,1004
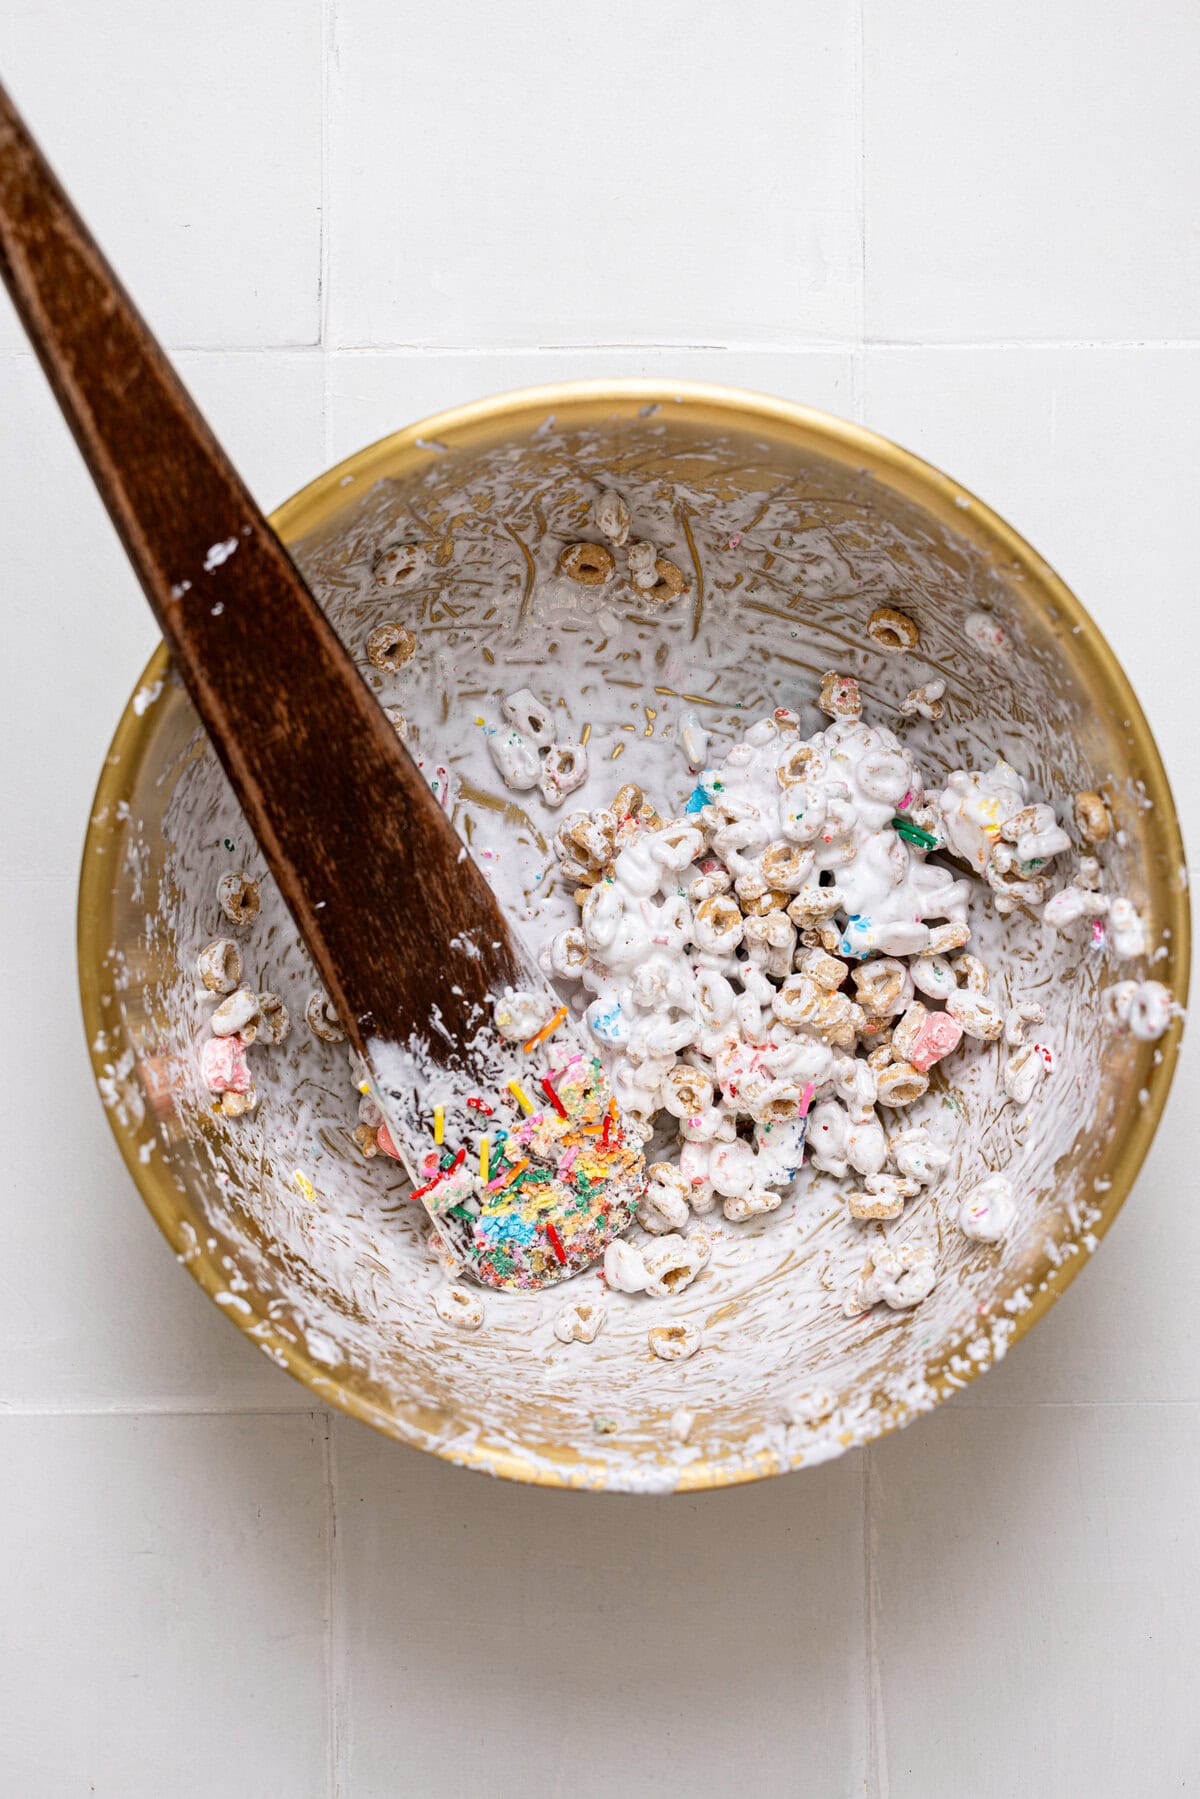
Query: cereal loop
591,564
674,1342
892,631
1091,817
389,647
668,583
274,1022
397,563
236,1014
322,1020
236,1105
839,696
579,1323
454,1305
610,515
900,1084
238,898
220,965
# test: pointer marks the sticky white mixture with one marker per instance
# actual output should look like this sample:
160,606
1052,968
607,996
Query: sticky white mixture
723,1341
778,968
771,972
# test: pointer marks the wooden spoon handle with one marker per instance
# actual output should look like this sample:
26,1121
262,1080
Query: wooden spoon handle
307,749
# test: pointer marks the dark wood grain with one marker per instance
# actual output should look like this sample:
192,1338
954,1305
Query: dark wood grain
365,858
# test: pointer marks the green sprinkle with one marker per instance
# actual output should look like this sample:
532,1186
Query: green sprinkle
914,834
229,843
460,1212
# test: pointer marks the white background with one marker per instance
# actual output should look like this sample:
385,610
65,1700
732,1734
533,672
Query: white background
973,227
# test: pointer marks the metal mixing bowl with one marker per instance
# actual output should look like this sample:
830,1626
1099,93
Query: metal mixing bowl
509,1399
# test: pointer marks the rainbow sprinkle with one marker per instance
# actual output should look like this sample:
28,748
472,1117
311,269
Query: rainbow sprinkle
547,1030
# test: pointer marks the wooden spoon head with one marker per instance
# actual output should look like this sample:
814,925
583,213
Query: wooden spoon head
517,1149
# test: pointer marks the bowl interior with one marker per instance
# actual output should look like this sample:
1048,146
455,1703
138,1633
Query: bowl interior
790,529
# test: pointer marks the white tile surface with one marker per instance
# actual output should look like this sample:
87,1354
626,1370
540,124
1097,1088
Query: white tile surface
1030,170
563,1643
372,394
77,632
521,175
266,410
1001,1600
1036,1577
190,139
165,1585
1089,453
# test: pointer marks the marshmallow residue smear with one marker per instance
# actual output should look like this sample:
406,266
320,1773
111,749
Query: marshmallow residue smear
817,1223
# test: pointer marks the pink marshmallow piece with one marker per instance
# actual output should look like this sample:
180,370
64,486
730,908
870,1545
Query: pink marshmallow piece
936,1038
223,1065
383,1138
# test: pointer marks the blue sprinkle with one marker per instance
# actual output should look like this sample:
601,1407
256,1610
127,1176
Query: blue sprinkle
506,1227
858,926
607,1024
698,799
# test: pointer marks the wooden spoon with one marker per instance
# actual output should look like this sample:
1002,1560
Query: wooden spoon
515,1147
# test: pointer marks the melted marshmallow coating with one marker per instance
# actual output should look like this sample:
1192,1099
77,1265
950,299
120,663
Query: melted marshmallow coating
784,554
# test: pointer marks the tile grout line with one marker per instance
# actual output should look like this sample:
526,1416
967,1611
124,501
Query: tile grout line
877,1766
331,1747
150,1408
809,346
314,1408
338,1677
858,359
876,1771
754,346
328,40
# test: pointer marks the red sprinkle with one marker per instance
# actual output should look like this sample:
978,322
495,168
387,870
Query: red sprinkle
458,1161
477,1105
555,1245
552,1096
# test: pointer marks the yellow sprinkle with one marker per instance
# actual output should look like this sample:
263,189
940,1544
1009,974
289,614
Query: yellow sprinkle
478,721
485,1157
364,1086
519,1094
541,1201
439,1124
305,1185
616,752
585,733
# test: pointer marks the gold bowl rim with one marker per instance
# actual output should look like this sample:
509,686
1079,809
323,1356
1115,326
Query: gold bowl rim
957,508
